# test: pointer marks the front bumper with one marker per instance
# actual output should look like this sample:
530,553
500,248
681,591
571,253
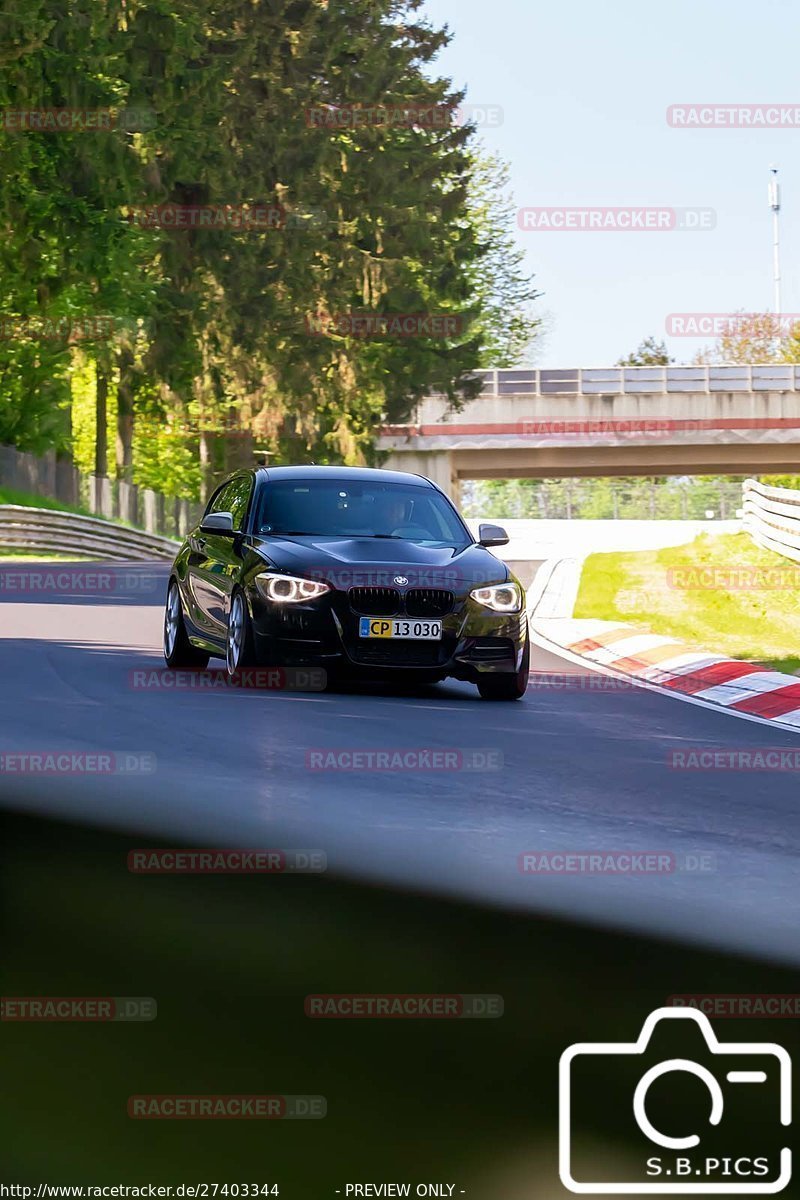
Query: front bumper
324,632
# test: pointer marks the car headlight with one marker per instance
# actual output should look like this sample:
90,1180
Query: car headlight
500,597
288,589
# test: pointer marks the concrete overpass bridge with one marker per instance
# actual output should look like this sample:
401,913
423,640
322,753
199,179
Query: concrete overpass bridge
698,420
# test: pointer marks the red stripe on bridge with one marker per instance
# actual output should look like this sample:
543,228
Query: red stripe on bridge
621,425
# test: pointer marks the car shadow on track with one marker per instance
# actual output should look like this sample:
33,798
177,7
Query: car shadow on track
391,689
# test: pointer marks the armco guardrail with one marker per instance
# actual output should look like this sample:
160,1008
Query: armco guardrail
56,532
107,498
771,515
621,381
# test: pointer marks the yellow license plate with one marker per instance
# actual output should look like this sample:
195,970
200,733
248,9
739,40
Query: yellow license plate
400,627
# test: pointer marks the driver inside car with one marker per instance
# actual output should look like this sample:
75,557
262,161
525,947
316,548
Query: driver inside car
391,513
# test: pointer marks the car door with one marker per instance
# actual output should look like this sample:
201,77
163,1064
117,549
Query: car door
224,555
199,568
214,559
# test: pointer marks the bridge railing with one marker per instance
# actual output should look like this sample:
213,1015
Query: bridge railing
621,381
771,515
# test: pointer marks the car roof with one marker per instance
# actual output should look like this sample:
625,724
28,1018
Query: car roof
360,474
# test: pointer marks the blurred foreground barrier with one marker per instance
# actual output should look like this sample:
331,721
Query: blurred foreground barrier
772,517
55,532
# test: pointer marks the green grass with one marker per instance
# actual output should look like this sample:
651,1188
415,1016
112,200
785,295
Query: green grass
9,496
39,556
748,609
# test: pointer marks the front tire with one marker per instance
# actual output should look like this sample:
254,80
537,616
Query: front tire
507,687
240,650
179,652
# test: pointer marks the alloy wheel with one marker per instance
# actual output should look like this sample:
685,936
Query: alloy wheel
171,621
235,638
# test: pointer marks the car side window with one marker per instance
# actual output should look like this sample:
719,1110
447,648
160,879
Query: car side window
218,502
238,498
232,497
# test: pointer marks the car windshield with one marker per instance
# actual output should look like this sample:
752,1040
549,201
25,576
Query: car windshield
355,508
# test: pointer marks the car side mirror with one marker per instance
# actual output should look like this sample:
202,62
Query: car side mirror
218,522
492,535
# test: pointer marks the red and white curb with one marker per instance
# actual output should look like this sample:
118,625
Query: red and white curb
666,664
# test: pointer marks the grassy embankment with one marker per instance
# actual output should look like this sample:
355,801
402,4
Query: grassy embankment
722,593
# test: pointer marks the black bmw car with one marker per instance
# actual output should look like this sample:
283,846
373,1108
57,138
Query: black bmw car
360,571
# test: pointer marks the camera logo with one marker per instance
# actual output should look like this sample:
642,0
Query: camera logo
737,1099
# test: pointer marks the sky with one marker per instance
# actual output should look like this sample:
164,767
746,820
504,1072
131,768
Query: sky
584,89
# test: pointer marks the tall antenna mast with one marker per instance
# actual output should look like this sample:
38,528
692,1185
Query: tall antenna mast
775,205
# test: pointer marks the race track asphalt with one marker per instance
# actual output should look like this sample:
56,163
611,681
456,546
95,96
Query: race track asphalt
574,771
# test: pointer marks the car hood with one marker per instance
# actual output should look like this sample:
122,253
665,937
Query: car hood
360,561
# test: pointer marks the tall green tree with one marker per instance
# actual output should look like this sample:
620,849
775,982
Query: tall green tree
503,287
214,342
